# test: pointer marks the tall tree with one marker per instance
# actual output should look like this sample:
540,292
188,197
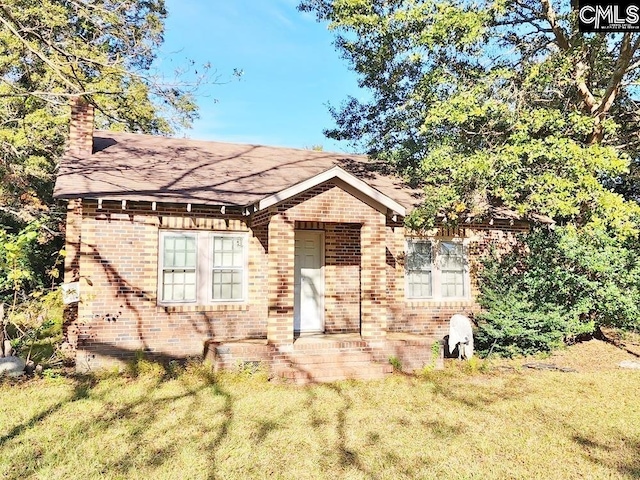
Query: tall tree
51,50
496,101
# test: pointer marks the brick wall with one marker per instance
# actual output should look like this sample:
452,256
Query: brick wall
431,316
113,251
342,278
119,312
73,231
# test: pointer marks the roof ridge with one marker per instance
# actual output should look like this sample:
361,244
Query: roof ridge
97,133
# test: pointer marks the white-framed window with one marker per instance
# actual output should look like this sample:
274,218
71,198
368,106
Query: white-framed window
202,267
451,266
178,272
436,269
228,269
419,269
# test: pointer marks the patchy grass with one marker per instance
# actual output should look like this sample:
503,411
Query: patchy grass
498,421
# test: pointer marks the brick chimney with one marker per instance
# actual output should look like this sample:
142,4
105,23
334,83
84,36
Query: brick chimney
81,127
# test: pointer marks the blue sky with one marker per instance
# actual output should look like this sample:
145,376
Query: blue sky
291,70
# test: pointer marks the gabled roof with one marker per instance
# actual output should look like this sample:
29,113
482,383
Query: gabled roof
133,167
332,174
136,167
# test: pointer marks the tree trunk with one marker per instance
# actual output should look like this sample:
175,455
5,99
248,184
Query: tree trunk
597,134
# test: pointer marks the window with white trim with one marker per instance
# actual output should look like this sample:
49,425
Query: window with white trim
435,269
202,267
228,267
179,268
452,269
419,261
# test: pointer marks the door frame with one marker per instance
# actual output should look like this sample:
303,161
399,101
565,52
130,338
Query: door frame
321,239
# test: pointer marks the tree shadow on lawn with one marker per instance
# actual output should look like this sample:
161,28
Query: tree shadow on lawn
139,415
466,392
346,457
267,426
602,454
414,428
223,432
82,386
474,397
388,461
153,412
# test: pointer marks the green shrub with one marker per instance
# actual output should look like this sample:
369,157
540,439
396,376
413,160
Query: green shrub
555,286
514,325
30,260
35,325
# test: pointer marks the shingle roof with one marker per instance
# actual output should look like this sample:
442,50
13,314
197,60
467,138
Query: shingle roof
150,168
134,167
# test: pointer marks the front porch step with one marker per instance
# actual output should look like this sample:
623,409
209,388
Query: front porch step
329,365
338,358
310,345
321,373
327,357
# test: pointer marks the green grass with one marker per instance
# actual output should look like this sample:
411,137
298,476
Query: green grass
457,423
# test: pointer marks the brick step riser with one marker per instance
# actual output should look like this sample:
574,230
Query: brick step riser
332,367
332,351
338,372
333,358
324,353
340,364
340,346
325,379
354,369
306,350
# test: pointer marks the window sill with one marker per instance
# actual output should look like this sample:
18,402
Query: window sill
214,307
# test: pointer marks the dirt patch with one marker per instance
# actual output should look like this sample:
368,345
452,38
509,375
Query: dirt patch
625,340
594,356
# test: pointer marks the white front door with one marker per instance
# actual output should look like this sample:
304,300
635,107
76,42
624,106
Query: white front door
308,282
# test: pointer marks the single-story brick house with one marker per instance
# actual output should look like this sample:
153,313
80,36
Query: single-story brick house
249,253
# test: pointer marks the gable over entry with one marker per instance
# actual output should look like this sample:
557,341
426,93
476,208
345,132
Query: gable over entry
330,202
341,250
345,180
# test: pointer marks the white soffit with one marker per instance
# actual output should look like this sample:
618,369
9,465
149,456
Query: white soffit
335,172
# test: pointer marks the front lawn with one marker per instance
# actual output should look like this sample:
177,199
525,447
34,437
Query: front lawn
507,422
